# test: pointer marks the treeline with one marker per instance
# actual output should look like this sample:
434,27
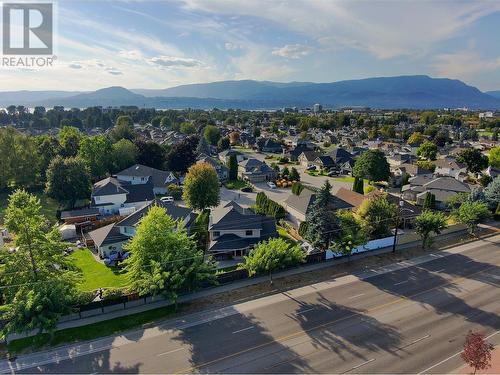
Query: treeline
266,206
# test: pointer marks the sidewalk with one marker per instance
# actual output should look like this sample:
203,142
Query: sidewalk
236,285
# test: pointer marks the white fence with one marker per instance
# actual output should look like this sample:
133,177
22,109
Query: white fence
369,246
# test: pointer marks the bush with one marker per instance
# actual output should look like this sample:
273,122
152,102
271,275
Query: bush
266,206
175,191
84,298
303,229
113,293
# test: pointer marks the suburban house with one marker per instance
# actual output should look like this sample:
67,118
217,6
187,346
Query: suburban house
226,154
254,170
234,230
324,162
222,170
293,155
443,188
450,167
141,174
269,145
307,158
110,239
116,197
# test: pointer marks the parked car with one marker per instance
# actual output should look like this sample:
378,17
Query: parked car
272,185
247,189
311,168
333,173
168,199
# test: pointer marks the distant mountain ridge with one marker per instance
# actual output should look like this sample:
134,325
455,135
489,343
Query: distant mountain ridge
413,92
495,94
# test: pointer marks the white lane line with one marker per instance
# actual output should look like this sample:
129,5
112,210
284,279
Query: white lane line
452,356
244,329
170,352
470,260
401,282
356,296
362,364
441,270
306,310
415,341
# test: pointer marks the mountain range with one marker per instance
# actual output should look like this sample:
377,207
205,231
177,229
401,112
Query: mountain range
416,92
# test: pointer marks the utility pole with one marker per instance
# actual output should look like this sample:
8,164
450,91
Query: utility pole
400,208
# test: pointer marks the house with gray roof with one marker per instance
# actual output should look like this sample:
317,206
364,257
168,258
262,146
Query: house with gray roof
254,170
443,188
142,174
221,169
234,230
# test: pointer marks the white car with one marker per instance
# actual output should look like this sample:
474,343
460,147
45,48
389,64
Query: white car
272,185
168,199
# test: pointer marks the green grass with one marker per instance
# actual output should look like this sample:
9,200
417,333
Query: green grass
235,184
89,332
95,274
285,236
49,206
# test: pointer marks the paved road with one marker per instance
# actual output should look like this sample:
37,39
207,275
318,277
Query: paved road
408,320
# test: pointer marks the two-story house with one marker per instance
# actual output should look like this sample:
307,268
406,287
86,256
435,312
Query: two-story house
222,170
234,230
254,170
141,174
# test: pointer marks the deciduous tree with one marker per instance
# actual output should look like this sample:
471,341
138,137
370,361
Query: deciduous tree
474,160
429,222
477,352
372,165
201,187
471,214
427,150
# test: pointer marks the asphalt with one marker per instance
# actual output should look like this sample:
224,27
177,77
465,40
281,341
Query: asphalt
411,317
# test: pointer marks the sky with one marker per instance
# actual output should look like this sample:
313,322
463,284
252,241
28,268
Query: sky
160,44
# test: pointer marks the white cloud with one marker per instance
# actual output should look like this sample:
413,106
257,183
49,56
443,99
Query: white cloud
229,46
113,71
134,54
464,64
173,62
292,51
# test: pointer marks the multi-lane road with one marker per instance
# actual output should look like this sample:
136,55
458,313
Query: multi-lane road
406,318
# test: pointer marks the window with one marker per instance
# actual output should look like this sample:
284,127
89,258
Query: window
248,233
216,234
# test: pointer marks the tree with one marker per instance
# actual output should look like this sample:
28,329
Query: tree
123,129
429,222
96,152
430,201
477,352
416,139
269,256
322,225
294,174
187,128
494,157
48,148
358,185
165,122
182,155
203,147
164,258
372,165
233,168
223,144
297,188
150,154
471,214
68,180
69,138
378,216
427,150
492,193
426,164
351,232
473,159
212,134
123,155
201,187
285,172
39,281
234,138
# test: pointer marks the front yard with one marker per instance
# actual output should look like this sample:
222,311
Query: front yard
95,274
235,184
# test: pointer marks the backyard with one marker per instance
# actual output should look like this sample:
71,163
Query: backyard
95,274
49,206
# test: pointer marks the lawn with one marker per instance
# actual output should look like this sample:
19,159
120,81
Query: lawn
95,274
235,184
49,206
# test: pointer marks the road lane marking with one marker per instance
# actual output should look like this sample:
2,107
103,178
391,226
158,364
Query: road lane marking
414,342
244,329
401,282
441,270
305,331
362,364
356,296
306,310
170,352
453,356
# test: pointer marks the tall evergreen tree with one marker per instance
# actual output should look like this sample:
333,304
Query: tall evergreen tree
233,168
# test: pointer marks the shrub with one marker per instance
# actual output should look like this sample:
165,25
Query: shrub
175,191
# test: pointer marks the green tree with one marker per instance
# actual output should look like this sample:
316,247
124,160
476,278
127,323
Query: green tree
322,224
471,214
378,216
233,168
68,180
48,148
203,147
96,152
372,165
201,187
297,188
416,139
429,222
351,232
182,155
223,144
165,122
187,128
39,281
358,185
269,256
69,138
212,134
294,174
492,193
426,164
473,159
123,129
429,202
164,258
123,155
427,150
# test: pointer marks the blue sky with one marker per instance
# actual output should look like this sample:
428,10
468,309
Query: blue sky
141,44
